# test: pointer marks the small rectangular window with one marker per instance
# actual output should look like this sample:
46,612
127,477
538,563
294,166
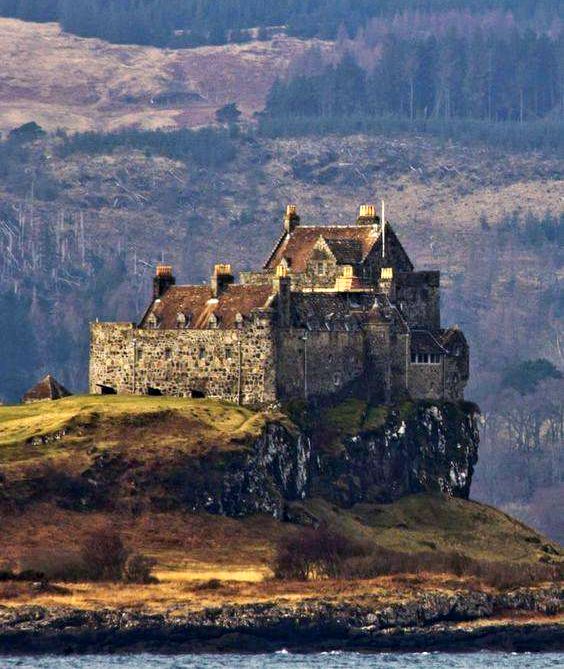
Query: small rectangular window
414,357
202,353
321,268
228,352
425,358
168,354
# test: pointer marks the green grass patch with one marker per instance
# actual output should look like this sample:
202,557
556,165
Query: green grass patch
49,424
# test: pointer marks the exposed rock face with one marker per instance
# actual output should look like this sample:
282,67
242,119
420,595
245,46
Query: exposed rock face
430,447
275,469
420,447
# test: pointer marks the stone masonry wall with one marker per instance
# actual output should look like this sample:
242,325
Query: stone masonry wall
178,362
332,360
418,293
426,380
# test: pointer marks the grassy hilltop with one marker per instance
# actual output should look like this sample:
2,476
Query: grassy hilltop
191,548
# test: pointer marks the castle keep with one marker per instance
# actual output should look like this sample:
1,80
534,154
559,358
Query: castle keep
336,311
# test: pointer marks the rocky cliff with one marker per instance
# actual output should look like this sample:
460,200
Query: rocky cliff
416,447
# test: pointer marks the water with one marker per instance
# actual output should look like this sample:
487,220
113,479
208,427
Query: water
281,660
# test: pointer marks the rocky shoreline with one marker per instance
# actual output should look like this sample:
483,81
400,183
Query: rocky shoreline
433,621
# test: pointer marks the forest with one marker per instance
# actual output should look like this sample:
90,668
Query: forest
489,72
190,23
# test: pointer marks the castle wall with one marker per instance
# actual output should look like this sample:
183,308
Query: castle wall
426,380
418,293
221,364
399,364
322,365
378,370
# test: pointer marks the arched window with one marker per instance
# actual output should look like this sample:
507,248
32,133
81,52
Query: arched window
181,320
213,321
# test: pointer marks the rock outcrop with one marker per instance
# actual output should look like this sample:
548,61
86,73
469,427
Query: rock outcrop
416,447
420,447
432,621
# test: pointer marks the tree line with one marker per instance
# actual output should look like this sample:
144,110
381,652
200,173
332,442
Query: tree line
481,77
188,23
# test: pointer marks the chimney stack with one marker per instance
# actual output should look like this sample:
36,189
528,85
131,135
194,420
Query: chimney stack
163,280
367,215
291,218
387,283
221,278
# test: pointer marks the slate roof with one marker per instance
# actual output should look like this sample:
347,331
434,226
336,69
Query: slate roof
46,389
346,251
423,341
351,241
198,304
331,311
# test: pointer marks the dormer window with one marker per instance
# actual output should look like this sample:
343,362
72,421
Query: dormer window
321,268
152,321
181,320
239,320
213,321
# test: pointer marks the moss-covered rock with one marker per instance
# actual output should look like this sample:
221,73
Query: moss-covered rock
380,454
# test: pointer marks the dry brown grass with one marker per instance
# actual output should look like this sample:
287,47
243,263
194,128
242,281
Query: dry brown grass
61,80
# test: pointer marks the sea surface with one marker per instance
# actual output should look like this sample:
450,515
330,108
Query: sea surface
281,660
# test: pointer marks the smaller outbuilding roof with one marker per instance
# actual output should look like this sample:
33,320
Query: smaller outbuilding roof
47,389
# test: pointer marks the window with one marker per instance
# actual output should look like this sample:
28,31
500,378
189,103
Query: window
202,353
181,320
426,358
239,320
152,321
337,379
321,268
168,354
229,352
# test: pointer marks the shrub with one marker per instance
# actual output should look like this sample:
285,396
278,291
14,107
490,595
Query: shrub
498,574
104,555
137,569
315,553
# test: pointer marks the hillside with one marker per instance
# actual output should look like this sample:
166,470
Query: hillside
82,225
132,450
109,86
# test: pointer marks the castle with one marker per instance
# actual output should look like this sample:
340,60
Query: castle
336,311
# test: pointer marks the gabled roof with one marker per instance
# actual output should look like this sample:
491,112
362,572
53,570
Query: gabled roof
198,304
347,240
46,389
346,251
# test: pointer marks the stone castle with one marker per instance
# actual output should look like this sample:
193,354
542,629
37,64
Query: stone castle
336,311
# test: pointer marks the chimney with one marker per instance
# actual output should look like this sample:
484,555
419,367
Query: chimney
163,280
221,278
291,218
367,215
283,285
386,283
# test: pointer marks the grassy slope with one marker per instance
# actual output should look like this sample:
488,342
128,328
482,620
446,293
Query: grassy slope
192,547
35,431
